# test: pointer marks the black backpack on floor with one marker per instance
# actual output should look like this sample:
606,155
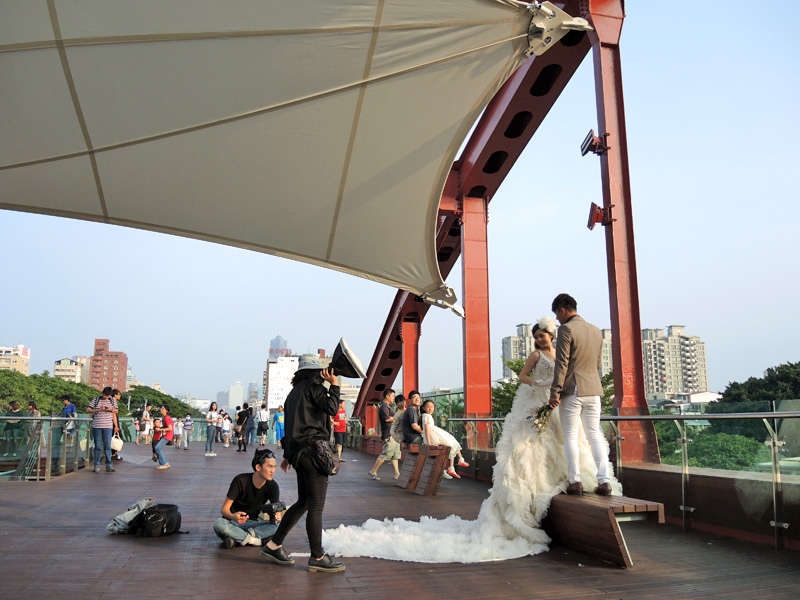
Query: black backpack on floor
157,521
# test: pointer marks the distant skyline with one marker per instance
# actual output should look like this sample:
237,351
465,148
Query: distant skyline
711,114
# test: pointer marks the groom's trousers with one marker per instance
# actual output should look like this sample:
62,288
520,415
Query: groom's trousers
574,411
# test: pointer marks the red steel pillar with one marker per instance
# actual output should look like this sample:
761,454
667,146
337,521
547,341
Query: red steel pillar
410,332
475,265
641,445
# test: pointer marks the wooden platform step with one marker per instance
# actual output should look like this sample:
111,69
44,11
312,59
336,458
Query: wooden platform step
590,523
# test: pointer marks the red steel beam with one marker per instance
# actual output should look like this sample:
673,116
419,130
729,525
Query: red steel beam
507,125
475,268
606,16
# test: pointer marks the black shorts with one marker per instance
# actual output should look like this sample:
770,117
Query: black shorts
339,437
263,428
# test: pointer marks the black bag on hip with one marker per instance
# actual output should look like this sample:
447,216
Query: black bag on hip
321,455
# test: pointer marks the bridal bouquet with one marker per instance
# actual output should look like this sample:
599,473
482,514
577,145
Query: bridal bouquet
541,417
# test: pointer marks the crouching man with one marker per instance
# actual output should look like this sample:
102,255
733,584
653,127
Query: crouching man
249,495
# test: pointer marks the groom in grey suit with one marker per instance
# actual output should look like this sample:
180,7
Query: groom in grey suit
577,388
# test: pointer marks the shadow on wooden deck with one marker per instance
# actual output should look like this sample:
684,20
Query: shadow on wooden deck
55,545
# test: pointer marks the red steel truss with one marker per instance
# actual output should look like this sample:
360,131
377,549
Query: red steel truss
507,125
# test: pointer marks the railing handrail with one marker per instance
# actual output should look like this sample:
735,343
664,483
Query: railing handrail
677,417
60,418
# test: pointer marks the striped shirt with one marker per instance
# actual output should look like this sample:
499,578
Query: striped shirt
104,419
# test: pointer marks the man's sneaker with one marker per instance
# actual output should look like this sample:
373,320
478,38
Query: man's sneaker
209,454
96,470
324,565
373,477
446,475
110,469
228,542
278,556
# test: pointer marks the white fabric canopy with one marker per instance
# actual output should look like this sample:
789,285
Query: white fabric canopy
317,131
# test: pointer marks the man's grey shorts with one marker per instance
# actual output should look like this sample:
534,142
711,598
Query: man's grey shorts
391,450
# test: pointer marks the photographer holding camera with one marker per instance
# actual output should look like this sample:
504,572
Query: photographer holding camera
249,495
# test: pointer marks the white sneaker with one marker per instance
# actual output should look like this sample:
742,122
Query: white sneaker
254,539
446,475
209,454
213,454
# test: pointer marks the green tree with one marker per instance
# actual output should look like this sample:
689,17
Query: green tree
778,383
141,394
46,391
722,451
757,394
503,394
607,401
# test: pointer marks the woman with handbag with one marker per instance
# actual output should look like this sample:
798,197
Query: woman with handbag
309,408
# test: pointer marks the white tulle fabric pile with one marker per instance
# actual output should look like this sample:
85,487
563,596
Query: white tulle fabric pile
530,470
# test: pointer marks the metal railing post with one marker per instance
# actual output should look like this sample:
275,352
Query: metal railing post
618,456
686,510
48,460
777,486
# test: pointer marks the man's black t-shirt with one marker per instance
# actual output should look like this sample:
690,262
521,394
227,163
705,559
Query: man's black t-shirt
247,498
410,416
385,412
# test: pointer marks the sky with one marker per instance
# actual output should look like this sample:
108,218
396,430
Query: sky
711,96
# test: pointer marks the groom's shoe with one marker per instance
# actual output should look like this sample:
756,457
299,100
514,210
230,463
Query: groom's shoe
604,489
575,489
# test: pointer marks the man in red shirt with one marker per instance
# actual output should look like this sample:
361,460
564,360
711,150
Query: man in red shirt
340,428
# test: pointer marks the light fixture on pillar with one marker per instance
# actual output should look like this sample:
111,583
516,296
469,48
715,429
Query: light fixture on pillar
599,216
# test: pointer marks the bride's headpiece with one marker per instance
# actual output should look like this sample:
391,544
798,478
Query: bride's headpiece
546,324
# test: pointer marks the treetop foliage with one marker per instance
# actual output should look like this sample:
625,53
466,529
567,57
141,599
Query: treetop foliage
778,383
47,391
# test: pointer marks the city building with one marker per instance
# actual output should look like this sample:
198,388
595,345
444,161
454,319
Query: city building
674,363
252,393
70,369
132,380
222,400
236,396
279,347
278,380
348,392
108,368
517,347
15,358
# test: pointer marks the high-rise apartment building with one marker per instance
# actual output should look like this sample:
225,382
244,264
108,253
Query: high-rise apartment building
108,368
517,346
674,363
15,358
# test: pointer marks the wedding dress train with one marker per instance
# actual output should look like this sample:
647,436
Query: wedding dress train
530,469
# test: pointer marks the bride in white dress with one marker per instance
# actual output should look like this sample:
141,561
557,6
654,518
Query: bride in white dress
530,469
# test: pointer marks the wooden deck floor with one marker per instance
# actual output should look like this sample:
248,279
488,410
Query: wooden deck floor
54,544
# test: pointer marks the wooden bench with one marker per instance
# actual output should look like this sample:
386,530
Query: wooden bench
422,469
590,523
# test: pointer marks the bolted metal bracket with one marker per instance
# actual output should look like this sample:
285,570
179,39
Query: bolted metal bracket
548,25
599,216
779,524
595,144
688,509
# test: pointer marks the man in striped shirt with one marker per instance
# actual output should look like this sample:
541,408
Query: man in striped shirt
103,408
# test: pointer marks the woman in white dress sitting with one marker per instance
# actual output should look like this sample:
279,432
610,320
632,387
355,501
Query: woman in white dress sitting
436,436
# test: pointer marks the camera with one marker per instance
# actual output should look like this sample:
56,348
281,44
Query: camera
273,507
